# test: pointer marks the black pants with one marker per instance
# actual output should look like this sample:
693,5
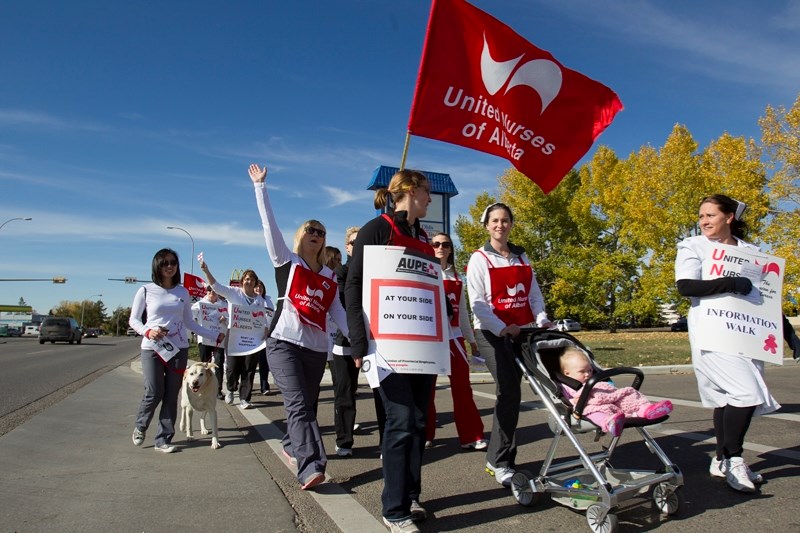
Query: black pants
217,353
345,383
242,368
730,426
263,371
501,363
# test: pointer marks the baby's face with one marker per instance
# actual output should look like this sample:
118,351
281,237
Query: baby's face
578,368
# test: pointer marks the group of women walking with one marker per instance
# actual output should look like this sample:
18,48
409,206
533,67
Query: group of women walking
505,298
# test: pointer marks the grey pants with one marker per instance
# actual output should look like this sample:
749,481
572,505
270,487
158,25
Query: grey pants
298,372
162,383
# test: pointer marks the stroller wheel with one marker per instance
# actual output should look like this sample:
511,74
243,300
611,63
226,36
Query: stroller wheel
523,491
668,500
607,524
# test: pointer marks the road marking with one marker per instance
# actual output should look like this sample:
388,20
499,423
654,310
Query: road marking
337,503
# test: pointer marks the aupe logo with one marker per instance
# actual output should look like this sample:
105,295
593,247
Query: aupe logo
412,265
541,75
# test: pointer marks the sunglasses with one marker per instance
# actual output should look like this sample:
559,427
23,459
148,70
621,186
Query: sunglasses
315,231
169,263
442,244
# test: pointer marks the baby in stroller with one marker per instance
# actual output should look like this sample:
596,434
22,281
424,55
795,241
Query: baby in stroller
607,406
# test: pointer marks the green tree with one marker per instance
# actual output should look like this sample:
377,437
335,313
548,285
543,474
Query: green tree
780,139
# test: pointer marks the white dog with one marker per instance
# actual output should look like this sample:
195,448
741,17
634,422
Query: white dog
199,393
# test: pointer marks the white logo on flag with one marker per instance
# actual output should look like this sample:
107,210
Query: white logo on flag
541,75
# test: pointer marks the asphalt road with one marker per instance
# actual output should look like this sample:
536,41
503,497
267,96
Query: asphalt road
36,376
461,497
457,493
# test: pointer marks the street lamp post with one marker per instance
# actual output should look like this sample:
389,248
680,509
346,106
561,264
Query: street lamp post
12,219
191,260
83,302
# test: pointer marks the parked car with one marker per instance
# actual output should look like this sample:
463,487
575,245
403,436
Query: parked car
14,332
30,331
60,328
680,325
131,332
568,324
90,333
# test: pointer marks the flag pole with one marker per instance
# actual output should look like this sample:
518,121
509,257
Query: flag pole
405,150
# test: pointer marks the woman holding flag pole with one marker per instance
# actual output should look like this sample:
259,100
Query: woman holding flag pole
297,347
405,396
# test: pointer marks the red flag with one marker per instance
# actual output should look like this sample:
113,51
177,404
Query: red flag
195,285
482,86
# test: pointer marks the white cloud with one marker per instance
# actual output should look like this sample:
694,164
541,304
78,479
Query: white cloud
23,118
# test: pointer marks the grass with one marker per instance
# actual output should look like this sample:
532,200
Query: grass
642,348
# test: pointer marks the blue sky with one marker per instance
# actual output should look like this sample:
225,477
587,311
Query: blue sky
118,119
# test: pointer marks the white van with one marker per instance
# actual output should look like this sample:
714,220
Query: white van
31,331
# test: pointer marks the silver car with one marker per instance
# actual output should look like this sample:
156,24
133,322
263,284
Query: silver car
568,324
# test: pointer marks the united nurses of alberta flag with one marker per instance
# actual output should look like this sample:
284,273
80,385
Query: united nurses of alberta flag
482,86
405,311
750,325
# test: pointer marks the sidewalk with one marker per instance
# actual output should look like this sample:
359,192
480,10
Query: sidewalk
73,467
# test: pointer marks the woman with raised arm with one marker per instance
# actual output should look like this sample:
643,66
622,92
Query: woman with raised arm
405,396
165,346
505,297
297,347
241,367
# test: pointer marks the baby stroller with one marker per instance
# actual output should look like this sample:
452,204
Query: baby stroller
588,483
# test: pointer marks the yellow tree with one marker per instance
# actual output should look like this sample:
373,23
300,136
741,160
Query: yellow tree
602,275
780,138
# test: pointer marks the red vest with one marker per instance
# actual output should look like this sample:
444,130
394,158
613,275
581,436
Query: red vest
312,295
421,243
510,287
453,291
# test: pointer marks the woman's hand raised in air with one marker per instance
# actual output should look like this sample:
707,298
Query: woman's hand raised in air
257,174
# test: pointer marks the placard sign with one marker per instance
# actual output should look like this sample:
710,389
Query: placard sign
247,330
405,312
213,316
749,325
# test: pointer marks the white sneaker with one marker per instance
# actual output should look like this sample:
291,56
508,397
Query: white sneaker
138,437
717,469
418,512
401,526
344,452
164,448
356,426
502,474
480,444
244,404
755,477
736,475
229,398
